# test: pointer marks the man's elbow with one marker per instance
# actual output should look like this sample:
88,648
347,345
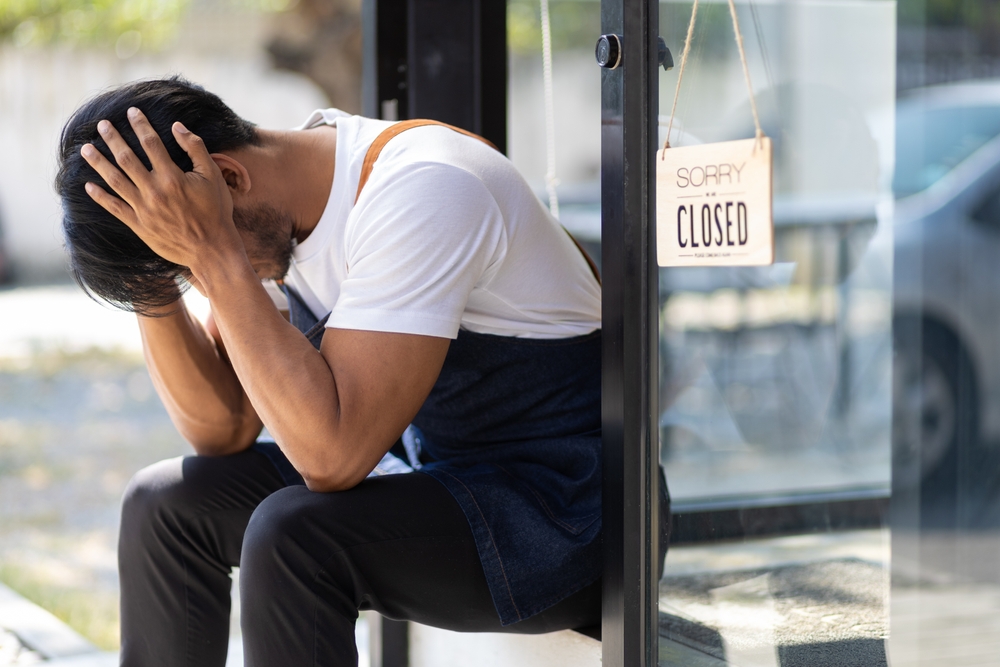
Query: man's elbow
208,448
218,442
330,481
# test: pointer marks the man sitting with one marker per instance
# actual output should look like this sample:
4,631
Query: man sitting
448,318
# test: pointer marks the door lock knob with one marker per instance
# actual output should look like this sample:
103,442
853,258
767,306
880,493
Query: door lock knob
609,51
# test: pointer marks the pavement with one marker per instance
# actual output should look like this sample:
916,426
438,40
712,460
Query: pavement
802,601
61,317
30,635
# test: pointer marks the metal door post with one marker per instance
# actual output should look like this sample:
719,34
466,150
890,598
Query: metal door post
629,101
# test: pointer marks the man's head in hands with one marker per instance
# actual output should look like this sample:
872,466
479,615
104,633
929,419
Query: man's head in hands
107,258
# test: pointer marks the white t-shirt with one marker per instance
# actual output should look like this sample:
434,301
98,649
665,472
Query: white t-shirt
447,235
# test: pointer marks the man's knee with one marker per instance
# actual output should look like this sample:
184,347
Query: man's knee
294,537
296,531
159,495
151,489
281,518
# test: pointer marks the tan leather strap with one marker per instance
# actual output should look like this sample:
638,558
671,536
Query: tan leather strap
398,128
388,134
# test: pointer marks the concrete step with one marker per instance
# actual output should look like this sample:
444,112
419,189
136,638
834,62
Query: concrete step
29,633
433,647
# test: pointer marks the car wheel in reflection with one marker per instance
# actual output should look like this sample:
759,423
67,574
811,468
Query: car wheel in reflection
934,404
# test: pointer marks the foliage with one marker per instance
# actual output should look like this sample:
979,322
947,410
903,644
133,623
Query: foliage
126,25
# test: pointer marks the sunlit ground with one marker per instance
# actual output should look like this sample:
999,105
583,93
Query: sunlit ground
78,417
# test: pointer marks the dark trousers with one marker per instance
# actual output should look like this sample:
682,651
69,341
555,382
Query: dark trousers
308,562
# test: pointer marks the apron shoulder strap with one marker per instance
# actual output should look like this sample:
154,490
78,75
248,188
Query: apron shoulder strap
389,133
396,129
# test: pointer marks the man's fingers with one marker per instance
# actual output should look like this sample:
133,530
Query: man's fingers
112,204
195,148
126,159
115,179
150,141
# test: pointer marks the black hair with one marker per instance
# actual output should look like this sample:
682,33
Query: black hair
107,258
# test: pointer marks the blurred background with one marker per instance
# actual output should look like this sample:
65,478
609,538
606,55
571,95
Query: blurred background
794,399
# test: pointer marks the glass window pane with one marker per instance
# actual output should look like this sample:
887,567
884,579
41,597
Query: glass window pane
776,382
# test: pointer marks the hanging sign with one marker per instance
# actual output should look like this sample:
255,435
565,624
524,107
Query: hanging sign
713,201
713,204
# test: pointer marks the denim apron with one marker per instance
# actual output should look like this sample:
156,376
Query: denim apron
512,428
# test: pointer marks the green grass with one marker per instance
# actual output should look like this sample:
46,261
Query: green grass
93,614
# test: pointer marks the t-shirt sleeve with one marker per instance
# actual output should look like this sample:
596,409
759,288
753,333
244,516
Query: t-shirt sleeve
417,242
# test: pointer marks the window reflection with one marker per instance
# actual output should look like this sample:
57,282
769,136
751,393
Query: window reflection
939,128
805,600
776,382
945,592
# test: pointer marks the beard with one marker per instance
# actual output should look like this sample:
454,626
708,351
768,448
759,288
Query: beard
267,237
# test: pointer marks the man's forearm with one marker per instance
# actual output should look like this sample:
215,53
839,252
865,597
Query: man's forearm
197,384
334,413
288,381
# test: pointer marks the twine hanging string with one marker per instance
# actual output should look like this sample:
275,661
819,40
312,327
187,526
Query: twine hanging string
680,72
746,70
743,61
550,115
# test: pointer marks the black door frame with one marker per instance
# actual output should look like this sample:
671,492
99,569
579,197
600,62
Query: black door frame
437,59
630,365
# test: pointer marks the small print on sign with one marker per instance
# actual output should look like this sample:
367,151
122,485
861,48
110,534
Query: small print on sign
713,205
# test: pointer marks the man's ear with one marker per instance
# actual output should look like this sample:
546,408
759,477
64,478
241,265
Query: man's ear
236,175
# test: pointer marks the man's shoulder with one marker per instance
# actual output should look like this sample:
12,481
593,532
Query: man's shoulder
428,184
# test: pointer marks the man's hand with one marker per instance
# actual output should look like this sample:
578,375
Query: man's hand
184,217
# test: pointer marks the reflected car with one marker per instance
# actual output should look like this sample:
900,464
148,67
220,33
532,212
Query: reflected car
946,322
